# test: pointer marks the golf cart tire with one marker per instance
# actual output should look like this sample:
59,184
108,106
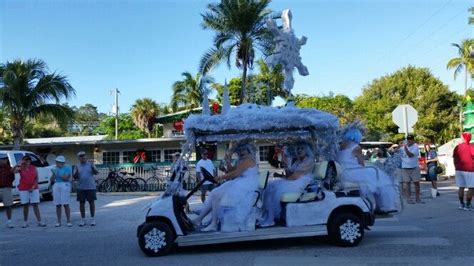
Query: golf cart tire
47,196
346,230
156,239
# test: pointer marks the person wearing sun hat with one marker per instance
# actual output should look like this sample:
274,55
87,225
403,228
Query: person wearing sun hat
61,178
6,183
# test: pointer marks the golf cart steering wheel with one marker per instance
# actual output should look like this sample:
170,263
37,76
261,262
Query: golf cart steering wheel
208,176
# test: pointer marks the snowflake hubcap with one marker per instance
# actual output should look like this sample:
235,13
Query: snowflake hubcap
350,231
155,240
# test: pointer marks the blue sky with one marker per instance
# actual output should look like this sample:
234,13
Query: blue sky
143,46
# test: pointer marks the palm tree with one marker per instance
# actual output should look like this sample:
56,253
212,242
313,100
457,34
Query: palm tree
144,111
471,19
26,92
272,79
189,92
240,30
464,61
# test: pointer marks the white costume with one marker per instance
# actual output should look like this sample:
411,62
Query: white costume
381,190
237,198
275,189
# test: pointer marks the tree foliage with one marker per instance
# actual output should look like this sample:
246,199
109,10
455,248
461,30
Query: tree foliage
240,32
189,92
436,105
465,61
127,129
338,105
28,91
144,112
86,119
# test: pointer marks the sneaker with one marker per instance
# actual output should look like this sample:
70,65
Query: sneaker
69,224
93,222
24,225
462,207
82,223
9,224
468,207
41,224
57,225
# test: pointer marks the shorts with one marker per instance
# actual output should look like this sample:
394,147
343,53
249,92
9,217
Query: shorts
27,197
431,174
207,187
411,174
61,193
86,194
465,179
7,197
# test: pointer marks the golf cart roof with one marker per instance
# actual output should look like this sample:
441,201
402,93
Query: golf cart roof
251,121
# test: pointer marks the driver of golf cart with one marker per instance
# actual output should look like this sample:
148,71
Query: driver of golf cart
298,175
233,200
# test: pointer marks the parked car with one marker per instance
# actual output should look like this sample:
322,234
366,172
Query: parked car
44,172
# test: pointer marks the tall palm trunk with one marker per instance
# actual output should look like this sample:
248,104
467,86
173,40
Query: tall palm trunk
244,81
17,132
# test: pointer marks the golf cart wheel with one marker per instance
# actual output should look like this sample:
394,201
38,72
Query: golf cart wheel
156,239
346,230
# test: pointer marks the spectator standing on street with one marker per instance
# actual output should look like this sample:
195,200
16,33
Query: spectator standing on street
207,164
463,157
6,183
431,166
410,169
61,178
84,172
28,189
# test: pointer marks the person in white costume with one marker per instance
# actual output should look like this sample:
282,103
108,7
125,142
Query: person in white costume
298,175
237,192
374,183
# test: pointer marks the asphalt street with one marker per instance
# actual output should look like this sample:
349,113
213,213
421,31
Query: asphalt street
434,233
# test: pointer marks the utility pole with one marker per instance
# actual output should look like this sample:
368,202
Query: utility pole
116,111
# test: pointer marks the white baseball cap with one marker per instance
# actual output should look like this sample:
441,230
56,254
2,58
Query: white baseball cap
60,159
81,153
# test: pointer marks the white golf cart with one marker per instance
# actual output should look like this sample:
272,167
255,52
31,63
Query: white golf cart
330,207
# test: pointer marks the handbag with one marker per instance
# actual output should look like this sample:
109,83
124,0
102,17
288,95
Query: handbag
439,169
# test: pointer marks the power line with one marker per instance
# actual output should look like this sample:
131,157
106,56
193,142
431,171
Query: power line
444,42
413,32
433,32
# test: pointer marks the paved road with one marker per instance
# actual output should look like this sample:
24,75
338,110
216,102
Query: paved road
435,233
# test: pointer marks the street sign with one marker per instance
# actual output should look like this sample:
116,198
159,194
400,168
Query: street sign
405,117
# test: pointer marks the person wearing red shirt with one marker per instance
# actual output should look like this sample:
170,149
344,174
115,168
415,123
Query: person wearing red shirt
6,183
463,157
28,189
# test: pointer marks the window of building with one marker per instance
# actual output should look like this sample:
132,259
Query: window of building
169,154
264,152
111,157
155,156
127,156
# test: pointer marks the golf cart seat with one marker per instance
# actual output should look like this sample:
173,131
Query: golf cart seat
262,184
229,218
329,174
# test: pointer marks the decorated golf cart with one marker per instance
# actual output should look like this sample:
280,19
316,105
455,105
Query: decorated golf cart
328,206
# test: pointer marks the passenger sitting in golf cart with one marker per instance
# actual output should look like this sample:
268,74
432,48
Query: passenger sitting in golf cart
236,194
298,175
